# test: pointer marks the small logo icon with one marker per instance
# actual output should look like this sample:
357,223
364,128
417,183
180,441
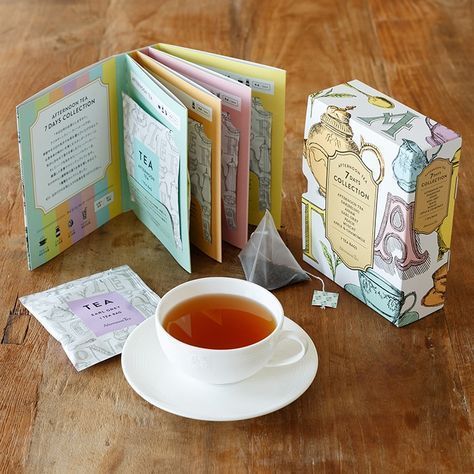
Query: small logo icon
70,223
42,241
84,213
58,231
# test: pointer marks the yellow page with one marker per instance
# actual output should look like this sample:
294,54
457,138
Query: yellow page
268,123
204,155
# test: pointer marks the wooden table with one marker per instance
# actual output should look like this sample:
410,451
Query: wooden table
384,399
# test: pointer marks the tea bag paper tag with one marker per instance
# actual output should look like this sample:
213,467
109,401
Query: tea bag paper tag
325,299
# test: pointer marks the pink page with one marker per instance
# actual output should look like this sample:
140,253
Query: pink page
236,106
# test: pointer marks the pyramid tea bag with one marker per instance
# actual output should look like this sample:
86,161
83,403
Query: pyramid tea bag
266,259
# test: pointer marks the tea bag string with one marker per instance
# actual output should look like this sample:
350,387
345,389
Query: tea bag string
322,282
317,278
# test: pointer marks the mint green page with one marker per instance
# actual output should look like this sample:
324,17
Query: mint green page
154,149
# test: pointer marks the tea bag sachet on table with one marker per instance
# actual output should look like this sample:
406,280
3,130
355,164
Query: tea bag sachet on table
267,261
93,316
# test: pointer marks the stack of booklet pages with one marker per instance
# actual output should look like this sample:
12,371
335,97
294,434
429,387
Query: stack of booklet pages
190,141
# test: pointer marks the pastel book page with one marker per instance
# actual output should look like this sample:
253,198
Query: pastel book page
231,166
70,159
267,129
155,147
261,152
152,162
205,109
88,154
200,149
235,146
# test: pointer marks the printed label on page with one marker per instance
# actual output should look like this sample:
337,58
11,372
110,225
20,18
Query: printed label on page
104,201
160,107
230,100
106,313
190,102
70,145
256,84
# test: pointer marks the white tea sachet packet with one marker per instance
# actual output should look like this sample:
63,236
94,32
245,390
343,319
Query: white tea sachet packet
93,316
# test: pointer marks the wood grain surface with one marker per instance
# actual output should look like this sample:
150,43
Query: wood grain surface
384,399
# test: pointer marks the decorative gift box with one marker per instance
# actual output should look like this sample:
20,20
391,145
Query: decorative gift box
378,212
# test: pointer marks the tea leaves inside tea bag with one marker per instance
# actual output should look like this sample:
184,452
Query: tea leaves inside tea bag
267,261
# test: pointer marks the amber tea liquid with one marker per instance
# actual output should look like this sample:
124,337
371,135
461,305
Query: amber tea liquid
219,321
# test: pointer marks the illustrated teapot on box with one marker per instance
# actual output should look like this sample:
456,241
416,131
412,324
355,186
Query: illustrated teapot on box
333,134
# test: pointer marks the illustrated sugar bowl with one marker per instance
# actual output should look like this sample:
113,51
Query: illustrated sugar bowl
409,163
378,211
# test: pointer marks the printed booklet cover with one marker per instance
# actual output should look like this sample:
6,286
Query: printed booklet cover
153,133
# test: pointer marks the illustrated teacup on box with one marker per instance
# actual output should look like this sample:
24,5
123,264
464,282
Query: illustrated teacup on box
384,297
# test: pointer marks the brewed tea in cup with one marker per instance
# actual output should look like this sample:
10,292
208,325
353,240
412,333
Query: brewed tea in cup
219,321
222,330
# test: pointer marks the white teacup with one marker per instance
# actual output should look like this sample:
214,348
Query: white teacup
221,366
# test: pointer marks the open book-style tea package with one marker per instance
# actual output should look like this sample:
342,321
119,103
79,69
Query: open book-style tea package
190,141
378,212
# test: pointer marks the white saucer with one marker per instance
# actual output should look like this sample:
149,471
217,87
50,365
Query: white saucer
154,378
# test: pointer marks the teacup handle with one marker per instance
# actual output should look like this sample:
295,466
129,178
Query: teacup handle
431,123
293,358
368,146
413,293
